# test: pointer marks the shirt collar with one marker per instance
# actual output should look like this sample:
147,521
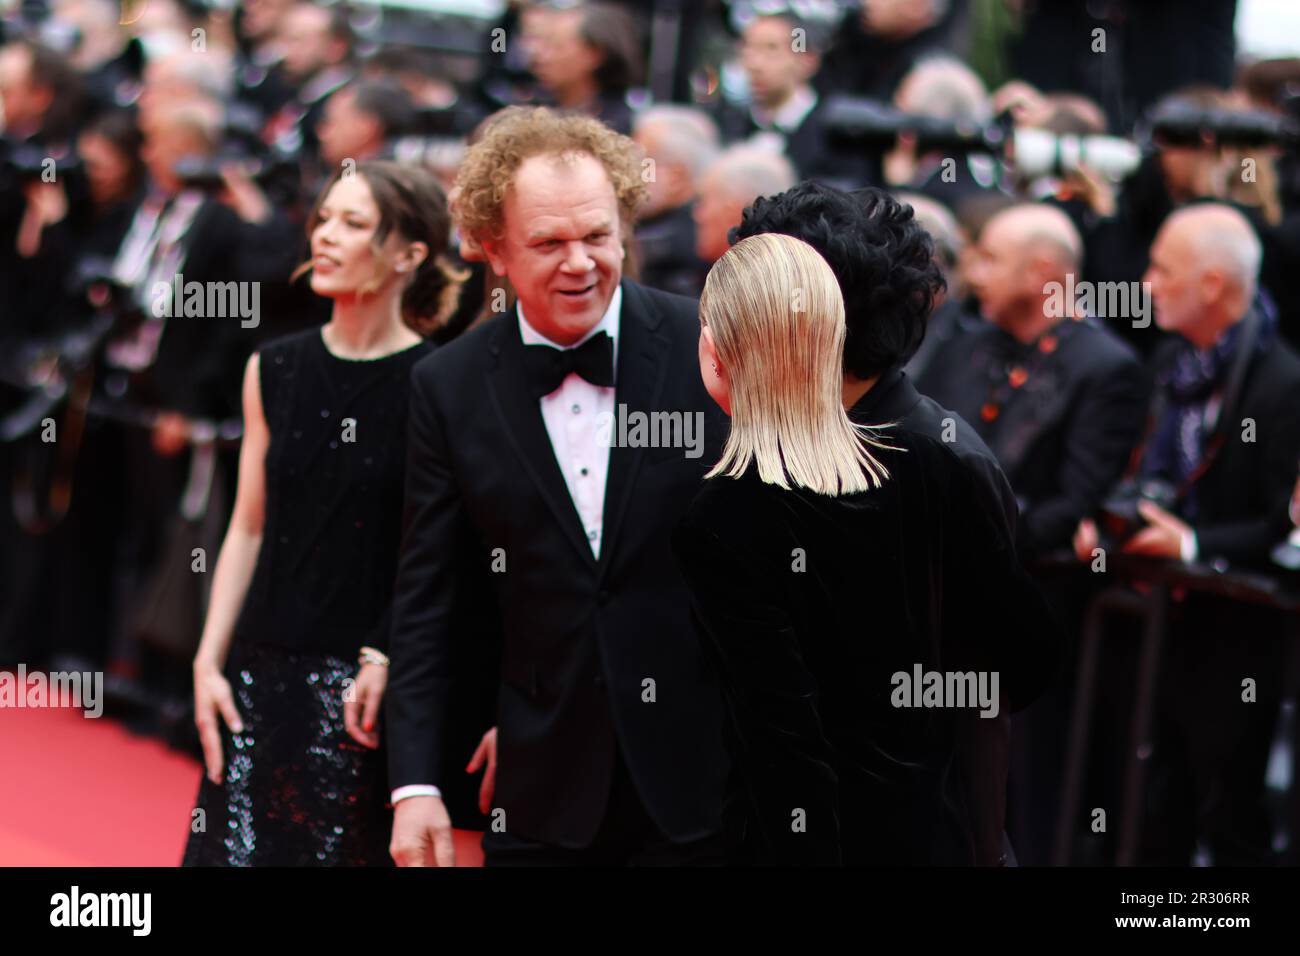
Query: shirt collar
608,323
791,113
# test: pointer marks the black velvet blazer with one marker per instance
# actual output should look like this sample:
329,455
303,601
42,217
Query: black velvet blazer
809,605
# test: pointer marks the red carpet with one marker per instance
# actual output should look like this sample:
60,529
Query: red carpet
79,792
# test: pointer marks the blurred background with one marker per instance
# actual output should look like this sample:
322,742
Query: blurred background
142,139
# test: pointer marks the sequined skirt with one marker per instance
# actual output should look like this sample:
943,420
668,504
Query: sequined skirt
297,790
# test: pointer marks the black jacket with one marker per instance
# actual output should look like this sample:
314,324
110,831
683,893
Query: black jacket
200,360
913,573
1064,437
665,246
581,637
1243,496
808,147
895,399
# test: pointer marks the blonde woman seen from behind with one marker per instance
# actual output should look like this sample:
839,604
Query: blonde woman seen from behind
810,554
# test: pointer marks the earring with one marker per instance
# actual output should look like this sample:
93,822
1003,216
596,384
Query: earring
715,368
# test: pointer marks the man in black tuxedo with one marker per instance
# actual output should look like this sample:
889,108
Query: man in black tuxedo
1230,451
608,744
1056,396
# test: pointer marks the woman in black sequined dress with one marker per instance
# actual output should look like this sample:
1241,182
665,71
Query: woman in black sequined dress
291,671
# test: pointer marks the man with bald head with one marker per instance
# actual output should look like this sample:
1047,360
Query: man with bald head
1055,395
1229,456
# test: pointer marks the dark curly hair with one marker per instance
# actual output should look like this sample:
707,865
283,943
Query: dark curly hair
882,257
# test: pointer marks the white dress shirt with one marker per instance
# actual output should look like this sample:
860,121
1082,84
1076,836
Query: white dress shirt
571,413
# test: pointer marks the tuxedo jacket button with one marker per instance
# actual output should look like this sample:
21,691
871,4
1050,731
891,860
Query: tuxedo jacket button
600,680
602,597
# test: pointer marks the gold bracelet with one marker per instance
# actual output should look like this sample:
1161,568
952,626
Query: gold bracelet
371,656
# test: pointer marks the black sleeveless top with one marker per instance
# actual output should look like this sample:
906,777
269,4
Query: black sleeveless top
334,477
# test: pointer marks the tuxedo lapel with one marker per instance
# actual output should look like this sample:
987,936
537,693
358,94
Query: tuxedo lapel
521,414
642,370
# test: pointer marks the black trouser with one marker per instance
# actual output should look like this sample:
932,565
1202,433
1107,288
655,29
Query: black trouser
627,837
1205,779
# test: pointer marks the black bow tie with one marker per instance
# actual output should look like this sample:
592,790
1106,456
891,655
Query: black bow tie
548,366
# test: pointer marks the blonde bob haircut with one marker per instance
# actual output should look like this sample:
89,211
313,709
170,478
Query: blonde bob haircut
777,318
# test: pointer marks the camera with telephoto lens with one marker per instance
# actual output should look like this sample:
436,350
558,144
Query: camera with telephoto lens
1120,518
269,166
874,127
1180,123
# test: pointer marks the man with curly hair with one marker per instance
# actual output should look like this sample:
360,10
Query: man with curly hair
530,499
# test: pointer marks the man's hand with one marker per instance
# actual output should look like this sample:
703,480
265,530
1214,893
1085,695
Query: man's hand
47,204
422,833
1085,539
487,751
171,432
1163,535
243,195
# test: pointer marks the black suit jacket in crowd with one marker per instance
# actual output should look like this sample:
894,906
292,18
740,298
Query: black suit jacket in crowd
665,245
913,573
581,638
808,147
199,365
1065,436
1242,498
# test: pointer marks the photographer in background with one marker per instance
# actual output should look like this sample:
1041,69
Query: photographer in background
360,122
586,58
40,94
879,42
317,58
941,88
1195,160
780,55
1221,450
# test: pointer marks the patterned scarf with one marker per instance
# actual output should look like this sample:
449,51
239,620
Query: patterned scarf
1177,446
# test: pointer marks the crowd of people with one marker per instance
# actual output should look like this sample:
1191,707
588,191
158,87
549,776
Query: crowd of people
311,319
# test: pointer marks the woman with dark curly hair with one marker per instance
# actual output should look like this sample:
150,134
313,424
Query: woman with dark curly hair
292,660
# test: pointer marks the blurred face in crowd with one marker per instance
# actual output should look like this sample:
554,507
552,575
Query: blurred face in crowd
346,132
716,211
166,143
897,19
96,21
999,274
775,70
670,186
1175,290
25,103
562,60
306,41
1186,171
562,245
262,18
344,260
108,171
165,85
